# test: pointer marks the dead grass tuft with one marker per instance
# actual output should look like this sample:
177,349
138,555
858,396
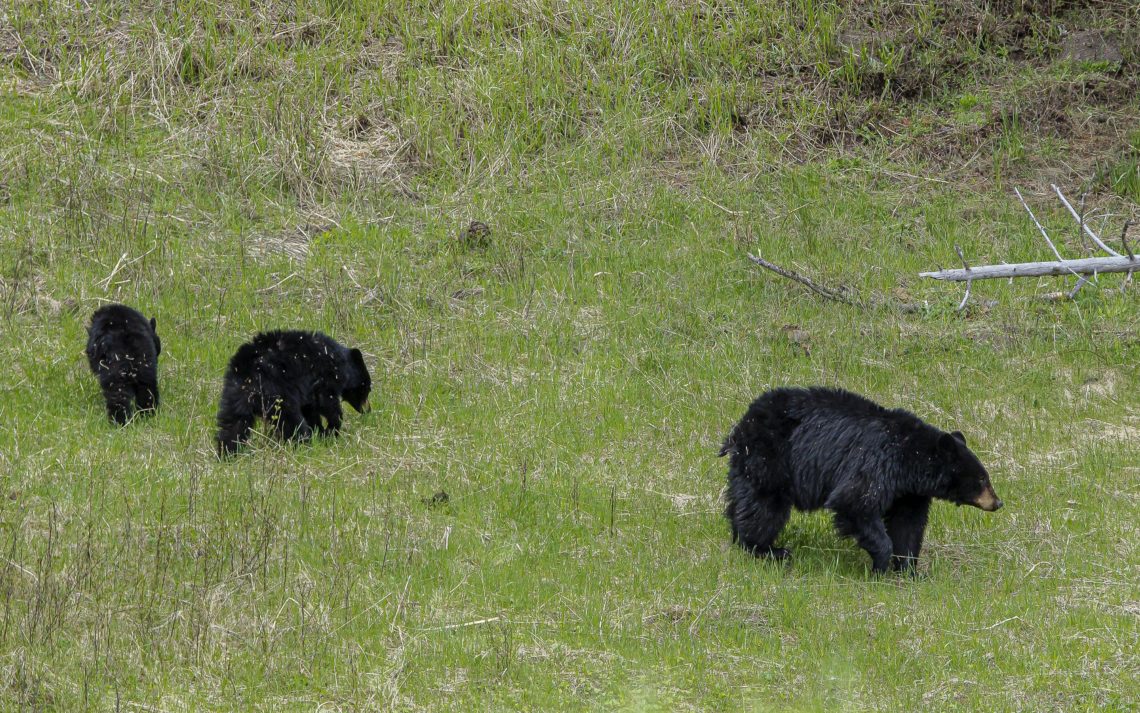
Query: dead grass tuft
368,148
19,86
293,243
1125,434
383,55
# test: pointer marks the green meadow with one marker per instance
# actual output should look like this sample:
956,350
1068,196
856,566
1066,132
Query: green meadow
530,517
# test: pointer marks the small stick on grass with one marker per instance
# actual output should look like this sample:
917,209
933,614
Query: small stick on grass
969,281
123,262
613,507
1127,249
106,282
465,624
826,292
718,205
1124,239
1077,288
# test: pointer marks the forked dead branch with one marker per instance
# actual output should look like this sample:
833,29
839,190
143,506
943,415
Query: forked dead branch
1081,267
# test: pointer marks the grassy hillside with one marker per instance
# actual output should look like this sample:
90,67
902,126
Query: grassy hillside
236,166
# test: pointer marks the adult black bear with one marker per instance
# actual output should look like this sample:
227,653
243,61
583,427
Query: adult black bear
877,469
293,380
122,350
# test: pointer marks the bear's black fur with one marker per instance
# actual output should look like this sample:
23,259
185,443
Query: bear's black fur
876,469
293,380
122,350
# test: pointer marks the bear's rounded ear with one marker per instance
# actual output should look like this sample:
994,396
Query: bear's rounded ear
959,436
947,443
356,357
153,325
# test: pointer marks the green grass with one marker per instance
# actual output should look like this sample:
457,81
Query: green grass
231,167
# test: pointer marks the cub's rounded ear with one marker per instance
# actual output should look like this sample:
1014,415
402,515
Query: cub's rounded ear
153,325
357,358
959,436
948,443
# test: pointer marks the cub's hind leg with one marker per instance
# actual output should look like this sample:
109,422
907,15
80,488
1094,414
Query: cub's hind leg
290,423
119,400
146,396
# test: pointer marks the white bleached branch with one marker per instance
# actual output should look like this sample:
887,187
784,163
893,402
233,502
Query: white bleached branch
1082,267
1088,231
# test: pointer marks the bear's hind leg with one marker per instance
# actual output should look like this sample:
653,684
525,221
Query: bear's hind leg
906,522
291,425
237,412
146,395
870,533
232,432
756,522
118,399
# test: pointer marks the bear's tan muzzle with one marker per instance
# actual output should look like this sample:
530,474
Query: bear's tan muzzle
988,500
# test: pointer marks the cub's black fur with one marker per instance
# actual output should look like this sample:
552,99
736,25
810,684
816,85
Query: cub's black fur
876,469
293,380
122,350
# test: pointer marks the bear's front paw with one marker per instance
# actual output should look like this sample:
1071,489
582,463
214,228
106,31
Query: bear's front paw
881,566
776,553
904,564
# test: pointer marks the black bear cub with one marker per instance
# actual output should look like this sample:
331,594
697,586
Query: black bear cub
122,350
293,380
876,469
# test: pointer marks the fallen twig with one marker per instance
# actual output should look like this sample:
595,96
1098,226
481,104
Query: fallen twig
1127,249
814,287
464,625
969,280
